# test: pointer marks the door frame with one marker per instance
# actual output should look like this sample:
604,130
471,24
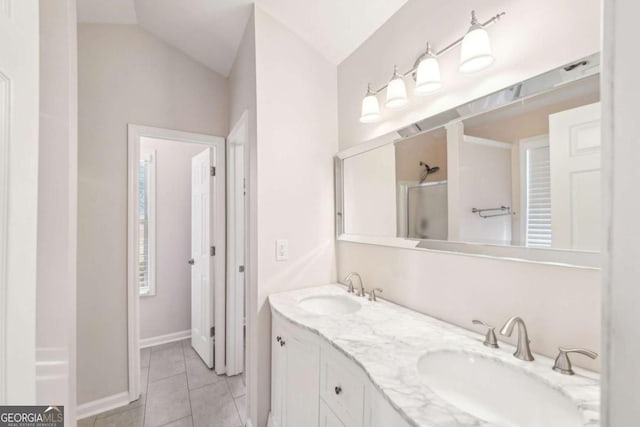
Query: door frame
238,139
135,133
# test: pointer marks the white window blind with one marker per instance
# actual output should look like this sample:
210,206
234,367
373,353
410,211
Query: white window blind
146,224
537,179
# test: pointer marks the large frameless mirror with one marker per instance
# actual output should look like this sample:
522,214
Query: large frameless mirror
513,174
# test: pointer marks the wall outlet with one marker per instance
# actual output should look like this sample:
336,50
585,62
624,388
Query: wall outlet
282,250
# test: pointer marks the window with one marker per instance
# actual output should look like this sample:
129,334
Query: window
146,223
536,191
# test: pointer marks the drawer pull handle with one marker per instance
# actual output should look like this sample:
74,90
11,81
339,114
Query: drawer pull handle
338,389
278,338
281,342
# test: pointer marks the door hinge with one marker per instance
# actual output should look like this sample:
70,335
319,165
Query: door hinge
241,269
213,171
212,332
213,251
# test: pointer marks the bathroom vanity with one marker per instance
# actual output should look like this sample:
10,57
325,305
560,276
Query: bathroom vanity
342,360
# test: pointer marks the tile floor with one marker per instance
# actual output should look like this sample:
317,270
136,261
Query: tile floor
178,390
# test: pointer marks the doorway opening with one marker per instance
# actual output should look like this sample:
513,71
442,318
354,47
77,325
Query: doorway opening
176,247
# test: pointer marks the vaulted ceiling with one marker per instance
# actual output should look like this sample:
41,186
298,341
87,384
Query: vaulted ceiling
335,28
210,31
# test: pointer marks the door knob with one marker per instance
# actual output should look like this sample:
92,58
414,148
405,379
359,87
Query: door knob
192,261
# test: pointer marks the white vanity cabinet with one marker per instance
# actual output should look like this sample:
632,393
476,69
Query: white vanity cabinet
314,384
295,374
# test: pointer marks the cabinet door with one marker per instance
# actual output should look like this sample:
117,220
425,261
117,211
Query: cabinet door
302,379
327,417
278,361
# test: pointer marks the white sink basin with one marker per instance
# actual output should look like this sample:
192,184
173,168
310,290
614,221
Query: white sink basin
329,304
500,394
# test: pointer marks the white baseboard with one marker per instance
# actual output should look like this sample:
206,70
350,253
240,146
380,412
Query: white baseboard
248,423
101,405
163,339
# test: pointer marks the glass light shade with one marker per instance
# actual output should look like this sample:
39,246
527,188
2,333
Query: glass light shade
370,109
427,75
396,93
475,53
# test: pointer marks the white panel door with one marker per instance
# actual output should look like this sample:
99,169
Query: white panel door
202,290
19,119
575,155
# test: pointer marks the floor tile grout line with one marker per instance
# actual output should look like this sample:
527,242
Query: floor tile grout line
146,394
184,360
235,405
169,376
210,384
170,422
237,410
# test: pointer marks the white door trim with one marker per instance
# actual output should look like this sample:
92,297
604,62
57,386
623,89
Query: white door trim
238,137
135,132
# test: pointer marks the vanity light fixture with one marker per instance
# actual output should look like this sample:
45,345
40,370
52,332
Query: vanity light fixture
475,52
370,107
396,91
427,73
475,55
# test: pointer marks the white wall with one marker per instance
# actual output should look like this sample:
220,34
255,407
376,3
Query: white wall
297,138
125,76
621,154
169,310
57,207
561,305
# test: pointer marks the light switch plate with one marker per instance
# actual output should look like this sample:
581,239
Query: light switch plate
282,250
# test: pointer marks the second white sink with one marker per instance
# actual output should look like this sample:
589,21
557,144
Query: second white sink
498,393
329,304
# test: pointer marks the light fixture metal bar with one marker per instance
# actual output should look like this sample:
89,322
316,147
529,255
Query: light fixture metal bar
490,21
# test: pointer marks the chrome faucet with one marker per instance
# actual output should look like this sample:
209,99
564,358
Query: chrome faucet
349,283
523,351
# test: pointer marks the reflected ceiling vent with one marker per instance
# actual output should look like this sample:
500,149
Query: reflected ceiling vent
412,130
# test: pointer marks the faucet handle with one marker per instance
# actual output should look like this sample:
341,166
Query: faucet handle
490,339
372,294
563,363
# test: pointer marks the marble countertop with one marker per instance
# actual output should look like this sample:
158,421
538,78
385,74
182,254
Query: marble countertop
387,340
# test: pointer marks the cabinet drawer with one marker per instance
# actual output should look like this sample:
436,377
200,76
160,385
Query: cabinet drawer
342,386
